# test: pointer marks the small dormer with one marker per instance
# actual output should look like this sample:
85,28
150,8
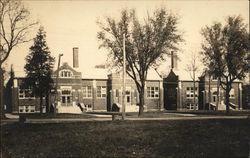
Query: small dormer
65,71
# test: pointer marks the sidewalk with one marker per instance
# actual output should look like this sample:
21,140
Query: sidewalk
67,120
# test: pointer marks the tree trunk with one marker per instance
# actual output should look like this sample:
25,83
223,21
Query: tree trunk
41,104
227,99
47,102
2,115
141,102
218,92
209,91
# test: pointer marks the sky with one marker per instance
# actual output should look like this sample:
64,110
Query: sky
72,23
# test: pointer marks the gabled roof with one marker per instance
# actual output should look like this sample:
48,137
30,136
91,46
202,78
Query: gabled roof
171,77
67,67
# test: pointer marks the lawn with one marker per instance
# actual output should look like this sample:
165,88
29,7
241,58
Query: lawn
157,139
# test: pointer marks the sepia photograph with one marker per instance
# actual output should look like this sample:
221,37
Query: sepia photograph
124,79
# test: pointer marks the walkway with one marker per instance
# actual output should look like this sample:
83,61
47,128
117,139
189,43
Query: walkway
61,120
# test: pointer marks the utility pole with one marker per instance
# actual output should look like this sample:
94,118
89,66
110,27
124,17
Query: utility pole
209,90
124,79
57,75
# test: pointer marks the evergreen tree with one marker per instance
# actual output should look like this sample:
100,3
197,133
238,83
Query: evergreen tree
39,67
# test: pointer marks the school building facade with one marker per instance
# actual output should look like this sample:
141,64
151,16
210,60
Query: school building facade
77,93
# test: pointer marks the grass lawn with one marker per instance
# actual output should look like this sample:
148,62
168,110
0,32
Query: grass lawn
58,116
158,139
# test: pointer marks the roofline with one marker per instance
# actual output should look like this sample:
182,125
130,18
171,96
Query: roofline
146,80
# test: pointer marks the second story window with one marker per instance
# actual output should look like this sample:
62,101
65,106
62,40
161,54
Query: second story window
65,74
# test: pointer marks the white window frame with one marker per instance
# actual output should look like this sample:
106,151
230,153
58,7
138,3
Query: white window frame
27,109
102,90
153,92
87,91
24,94
66,73
190,92
232,94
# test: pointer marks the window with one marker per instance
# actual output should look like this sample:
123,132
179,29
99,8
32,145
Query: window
27,109
190,92
66,97
66,73
63,99
214,96
101,91
117,93
231,94
214,78
87,91
191,106
153,92
25,93
21,93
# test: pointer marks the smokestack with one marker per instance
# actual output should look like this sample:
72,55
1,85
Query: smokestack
75,57
173,60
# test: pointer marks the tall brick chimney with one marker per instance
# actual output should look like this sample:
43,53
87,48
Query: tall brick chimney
75,57
173,60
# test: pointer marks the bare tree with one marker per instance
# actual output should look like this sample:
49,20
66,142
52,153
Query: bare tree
146,43
14,27
193,68
224,49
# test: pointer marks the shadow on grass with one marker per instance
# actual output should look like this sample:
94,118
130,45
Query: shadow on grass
159,139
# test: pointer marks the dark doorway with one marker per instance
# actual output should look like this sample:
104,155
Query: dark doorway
170,85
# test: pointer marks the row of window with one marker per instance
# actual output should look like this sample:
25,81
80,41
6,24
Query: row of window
191,89
101,92
25,93
190,92
26,109
191,95
65,74
152,92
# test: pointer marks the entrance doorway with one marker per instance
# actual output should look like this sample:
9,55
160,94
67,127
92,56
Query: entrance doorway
66,97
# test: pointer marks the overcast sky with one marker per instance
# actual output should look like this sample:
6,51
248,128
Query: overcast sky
73,24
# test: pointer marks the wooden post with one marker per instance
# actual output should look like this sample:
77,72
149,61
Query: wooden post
57,75
124,79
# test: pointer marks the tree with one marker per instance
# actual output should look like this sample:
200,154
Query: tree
146,42
39,68
14,27
192,67
224,49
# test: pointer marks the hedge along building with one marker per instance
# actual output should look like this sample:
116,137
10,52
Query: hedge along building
78,90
